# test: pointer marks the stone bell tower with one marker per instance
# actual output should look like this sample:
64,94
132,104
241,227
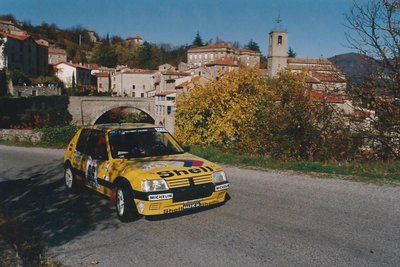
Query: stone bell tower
277,49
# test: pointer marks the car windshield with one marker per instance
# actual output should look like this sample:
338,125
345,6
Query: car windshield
139,143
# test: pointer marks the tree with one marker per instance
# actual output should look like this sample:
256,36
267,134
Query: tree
198,41
104,55
374,31
291,53
253,46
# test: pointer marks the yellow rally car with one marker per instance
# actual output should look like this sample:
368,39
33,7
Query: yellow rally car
143,168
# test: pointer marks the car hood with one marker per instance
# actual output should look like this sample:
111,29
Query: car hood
167,166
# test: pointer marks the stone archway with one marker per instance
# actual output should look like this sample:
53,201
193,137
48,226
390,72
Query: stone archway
148,118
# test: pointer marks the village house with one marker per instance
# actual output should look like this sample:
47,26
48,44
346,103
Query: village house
22,52
133,82
10,28
71,74
57,55
135,41
202,55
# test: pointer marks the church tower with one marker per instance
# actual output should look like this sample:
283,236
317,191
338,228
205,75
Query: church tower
277,49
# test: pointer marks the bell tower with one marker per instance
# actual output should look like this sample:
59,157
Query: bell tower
277,49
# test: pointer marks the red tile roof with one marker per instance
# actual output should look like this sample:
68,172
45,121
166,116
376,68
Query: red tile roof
226,61
22,37
248,51
319,97
72,65
102,74
308,61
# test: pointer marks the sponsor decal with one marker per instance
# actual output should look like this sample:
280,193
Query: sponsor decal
107,167
187,207
161,130
221,187
91,172
141,206
186,163
166,174
161,196
153,166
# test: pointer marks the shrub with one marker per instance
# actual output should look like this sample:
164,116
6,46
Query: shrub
58,135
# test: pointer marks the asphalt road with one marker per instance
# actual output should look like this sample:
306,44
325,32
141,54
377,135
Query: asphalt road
272,219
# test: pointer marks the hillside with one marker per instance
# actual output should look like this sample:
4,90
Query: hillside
354,65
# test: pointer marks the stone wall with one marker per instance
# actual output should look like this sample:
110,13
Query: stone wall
20,135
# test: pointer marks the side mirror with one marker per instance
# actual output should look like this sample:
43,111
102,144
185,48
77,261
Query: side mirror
186,148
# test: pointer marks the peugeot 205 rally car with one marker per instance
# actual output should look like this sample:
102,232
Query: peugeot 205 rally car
143,168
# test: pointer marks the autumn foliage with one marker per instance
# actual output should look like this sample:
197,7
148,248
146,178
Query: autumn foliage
245,112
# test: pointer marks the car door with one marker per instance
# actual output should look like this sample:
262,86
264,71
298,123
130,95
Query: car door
97,163
80,158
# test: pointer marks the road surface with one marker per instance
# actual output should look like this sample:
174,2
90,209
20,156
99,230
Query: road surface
272,219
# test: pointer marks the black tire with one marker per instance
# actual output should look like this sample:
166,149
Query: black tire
124,204
69,179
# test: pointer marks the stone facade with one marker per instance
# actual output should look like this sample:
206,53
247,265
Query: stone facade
67,72
199,56
57,55
133,82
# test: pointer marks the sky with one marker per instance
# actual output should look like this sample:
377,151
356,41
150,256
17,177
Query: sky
316,28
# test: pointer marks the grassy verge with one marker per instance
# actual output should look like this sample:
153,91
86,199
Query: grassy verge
376,172
20,244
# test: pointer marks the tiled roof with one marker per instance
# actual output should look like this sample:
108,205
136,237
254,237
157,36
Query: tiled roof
177,73
72,65
319,97
138,71
226,61
211,47
102,74
22,37
8,22
327,77
308,61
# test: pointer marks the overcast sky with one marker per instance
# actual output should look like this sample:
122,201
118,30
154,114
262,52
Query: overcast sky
316,27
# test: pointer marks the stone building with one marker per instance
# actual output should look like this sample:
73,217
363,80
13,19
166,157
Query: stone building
202,55
57,55
11,28
70,73
322,75
133,82
22,52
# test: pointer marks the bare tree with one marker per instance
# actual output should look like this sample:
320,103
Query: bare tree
375,32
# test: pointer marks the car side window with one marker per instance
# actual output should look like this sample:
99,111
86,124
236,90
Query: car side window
97,146
82,141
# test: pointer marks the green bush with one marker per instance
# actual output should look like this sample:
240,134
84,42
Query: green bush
34,112
58,135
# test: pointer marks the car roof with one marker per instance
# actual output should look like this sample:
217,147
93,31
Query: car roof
120,126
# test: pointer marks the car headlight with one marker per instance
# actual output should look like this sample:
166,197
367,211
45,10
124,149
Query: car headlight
219,177
154,185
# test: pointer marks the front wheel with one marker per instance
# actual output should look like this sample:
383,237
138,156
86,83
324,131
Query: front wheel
125,206
69,179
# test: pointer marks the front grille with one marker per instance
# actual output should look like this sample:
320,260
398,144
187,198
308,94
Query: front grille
192,192
188,181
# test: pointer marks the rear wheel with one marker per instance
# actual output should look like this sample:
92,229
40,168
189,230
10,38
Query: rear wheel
125,206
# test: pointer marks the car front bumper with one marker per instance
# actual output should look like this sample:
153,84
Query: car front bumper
180,199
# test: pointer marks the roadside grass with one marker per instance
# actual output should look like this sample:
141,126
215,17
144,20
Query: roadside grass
375,172
21,244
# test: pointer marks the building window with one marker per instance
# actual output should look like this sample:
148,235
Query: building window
279,39
33,92
133,94
100,85
133,87
169,109
144,87
142,95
